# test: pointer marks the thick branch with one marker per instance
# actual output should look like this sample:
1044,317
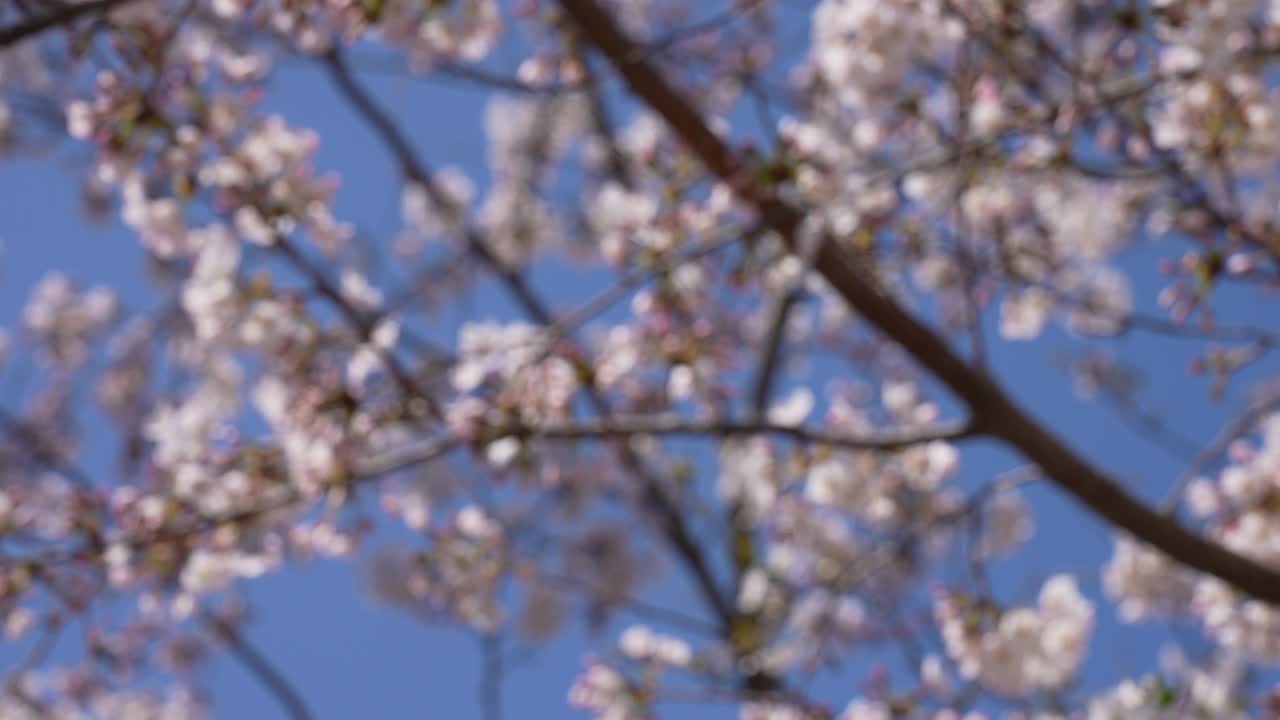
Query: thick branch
994,412
59,16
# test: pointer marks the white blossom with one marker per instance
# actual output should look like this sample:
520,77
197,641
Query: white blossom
1026,648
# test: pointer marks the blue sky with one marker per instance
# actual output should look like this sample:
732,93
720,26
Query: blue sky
352,658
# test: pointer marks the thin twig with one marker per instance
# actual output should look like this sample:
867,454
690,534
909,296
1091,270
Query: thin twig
490,690
771,349
1232,432
625,285
622,427
363,325
260,667
39,450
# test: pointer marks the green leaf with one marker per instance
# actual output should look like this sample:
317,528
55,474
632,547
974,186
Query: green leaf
1164,695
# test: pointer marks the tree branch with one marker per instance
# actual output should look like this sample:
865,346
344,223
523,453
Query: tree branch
621,427
664,508
60,16
771,350
1236,429
993,411
261,668
360,323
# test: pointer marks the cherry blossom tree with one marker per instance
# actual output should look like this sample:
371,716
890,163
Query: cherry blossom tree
817,224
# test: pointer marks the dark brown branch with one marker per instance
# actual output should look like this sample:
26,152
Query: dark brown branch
993,411
59,16
507,83
622,427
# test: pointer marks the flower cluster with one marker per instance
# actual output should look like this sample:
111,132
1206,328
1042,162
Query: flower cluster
65,321
1023,649
1185,690
459,573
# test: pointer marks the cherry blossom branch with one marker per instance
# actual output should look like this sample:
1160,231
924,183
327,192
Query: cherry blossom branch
626,284
359,322
61,15
771,350
666,509
1233,431
415,170
261,668
622,427
1151,426
602,124
40,651
491,677
993,410
714,23
364,471
445,71
1126,321
38,449
633,606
